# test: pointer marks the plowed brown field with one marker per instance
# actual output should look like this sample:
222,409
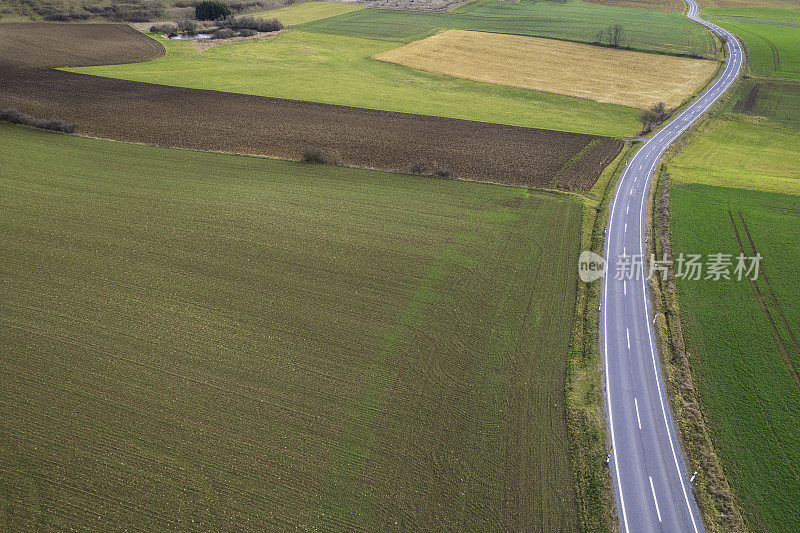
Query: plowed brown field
211,120
44,44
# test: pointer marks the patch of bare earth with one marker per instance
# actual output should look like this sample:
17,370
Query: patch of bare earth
205,44
47,44
228,122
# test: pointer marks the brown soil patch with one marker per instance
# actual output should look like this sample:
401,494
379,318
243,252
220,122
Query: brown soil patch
591,163
45,44
227,122
747,105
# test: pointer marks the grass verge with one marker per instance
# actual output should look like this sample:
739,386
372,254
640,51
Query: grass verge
585,419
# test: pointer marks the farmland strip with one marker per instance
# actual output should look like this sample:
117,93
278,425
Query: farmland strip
210,120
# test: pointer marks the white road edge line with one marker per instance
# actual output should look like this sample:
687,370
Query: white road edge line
658,511
628,334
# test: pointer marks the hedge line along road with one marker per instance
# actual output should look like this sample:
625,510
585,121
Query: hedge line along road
650,478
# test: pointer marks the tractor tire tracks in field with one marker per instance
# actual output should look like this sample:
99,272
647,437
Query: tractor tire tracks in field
762,301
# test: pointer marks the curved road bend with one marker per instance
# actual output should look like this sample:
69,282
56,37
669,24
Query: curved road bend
651,481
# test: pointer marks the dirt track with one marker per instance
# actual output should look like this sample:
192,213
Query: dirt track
210,120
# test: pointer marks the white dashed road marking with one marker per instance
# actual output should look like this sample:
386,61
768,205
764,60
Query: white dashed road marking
658,511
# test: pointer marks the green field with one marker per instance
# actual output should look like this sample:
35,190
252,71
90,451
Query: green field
778,100
574,20
743,152
745,368
772,37
340,70
307,11
199,340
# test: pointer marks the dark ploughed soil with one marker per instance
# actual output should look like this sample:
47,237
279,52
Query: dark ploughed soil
46,44
211,120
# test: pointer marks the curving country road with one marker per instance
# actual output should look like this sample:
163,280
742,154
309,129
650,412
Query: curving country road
651,481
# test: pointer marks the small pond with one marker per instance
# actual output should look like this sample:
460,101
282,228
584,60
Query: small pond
195,36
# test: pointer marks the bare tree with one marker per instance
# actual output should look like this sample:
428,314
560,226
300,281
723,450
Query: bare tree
615,35
600,35
648,116
653,116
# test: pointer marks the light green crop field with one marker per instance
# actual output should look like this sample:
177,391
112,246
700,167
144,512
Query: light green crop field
307,12
202,340
776,99
573,20
750,4
743,342
337,69
742,152
772,37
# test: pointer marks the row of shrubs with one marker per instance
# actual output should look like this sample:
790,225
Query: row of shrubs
216,10
325,156
653,117
235,6
226,28
227,33
433,169
15,116
250,23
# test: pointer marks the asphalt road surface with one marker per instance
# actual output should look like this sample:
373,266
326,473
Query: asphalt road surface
651,480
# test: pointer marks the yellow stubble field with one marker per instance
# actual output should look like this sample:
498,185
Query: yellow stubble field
625,77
